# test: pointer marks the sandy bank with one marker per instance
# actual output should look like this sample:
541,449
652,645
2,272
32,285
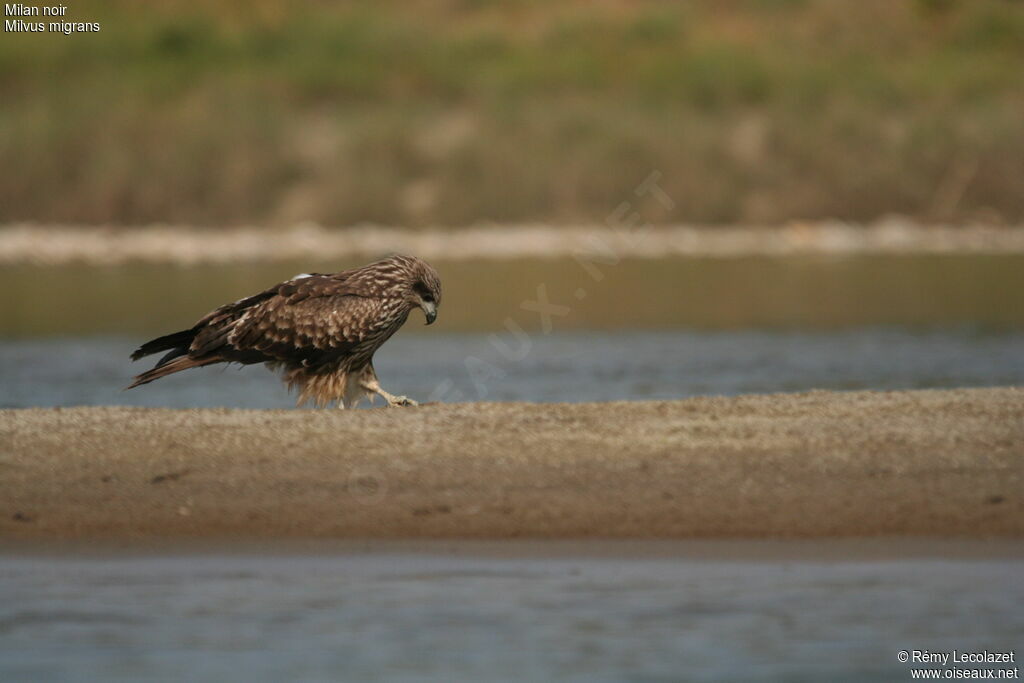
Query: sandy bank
59,245
807,465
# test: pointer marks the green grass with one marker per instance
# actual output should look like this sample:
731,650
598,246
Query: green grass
455,112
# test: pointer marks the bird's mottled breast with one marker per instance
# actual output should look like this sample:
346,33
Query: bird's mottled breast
392,315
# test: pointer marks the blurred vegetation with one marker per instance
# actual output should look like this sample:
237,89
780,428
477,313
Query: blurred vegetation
229,112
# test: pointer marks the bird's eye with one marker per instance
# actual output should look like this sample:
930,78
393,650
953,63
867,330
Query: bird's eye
428,297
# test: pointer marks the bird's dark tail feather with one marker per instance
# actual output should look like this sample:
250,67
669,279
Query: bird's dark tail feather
170,367
177,340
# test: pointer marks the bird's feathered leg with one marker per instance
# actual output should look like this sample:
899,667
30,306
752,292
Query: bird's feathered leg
352,395
368,382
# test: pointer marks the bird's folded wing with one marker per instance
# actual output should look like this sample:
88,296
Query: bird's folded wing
282,329
295,320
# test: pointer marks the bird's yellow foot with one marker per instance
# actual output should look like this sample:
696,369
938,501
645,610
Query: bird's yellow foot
373,387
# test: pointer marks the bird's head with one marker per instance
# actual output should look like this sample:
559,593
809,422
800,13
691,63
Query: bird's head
428,292
423,286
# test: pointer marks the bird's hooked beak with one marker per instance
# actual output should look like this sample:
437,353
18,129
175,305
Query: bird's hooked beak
429,310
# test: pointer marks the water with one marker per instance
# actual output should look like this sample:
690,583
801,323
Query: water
791,292
451,617
646,329
577,366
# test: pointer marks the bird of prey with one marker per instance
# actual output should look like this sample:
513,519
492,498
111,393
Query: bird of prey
319,330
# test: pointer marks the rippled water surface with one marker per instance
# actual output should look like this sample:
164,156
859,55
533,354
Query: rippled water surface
400,616
578,366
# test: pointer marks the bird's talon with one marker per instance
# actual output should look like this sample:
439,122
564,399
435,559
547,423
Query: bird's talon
402,401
